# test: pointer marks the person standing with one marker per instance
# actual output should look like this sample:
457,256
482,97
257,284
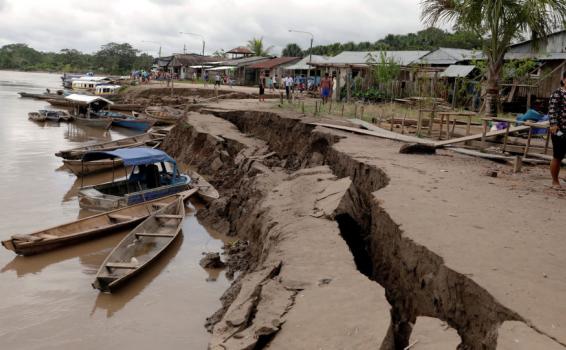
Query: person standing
325,88
288,86
205,78
217,80
262,87
557,118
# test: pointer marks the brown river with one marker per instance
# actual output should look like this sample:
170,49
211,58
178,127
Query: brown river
47,301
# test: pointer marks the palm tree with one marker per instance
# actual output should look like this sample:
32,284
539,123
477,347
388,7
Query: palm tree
256,45
292,50
499,22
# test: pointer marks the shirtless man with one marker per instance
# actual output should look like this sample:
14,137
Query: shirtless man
325,88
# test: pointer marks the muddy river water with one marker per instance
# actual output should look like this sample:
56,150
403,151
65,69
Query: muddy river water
47,301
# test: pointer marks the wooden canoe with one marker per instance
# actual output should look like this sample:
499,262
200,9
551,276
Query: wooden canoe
147,139
79,168
206,191
164,114
141,246
87,228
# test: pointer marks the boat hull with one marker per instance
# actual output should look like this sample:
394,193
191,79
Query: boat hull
91,199
142,125
84,229
104,123
149,139
80,168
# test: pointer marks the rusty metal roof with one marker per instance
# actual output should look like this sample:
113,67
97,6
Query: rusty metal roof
274,62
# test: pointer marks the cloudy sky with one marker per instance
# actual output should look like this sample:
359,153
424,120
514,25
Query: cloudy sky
51,25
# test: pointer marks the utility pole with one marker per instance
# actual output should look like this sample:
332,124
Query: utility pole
154,42
199,35
310,50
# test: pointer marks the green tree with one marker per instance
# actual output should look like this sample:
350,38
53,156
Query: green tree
257,47
384,69
116,58
292,50
499,22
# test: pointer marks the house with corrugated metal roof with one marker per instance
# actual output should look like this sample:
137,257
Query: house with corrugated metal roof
239,52
238,69
180,64
305,66
272,67
348,65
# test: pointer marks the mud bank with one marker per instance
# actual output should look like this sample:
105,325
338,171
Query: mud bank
301,200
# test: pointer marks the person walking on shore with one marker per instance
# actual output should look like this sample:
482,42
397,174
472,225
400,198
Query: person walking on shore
217,80
325,88
262,87
205,79
288,86
557,115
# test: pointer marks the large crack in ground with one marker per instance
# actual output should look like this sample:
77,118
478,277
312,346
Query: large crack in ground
416,281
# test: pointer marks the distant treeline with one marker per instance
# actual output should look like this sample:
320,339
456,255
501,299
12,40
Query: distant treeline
112,58
428,40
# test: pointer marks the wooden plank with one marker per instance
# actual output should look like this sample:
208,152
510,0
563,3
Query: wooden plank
121,265
168,216
479,136
119,217
148,234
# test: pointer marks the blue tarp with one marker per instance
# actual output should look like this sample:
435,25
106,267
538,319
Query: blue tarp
132,156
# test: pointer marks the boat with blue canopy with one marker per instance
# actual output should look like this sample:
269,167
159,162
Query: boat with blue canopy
153,174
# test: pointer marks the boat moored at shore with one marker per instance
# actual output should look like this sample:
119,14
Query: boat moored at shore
154,174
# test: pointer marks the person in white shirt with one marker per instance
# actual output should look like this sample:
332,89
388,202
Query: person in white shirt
288,86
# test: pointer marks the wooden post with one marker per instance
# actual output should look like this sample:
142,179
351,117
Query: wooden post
453,128
506,136
315,107
330,107
362,112
547,140
441,126
431,123
355,111
484,132
303,107
419,122
403,123
454,93
468,128
349,85
342,114
529,97
391,122
528,141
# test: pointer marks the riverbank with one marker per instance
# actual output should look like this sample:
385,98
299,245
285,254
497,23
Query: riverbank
351,240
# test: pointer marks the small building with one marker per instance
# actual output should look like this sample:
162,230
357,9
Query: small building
550,54
180,64
271,67
239,52
348,65
301,68
444,57
238,69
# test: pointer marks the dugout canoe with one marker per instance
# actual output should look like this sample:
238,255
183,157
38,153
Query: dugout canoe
143,245
87,228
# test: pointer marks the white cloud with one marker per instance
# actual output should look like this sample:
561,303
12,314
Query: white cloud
86,25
